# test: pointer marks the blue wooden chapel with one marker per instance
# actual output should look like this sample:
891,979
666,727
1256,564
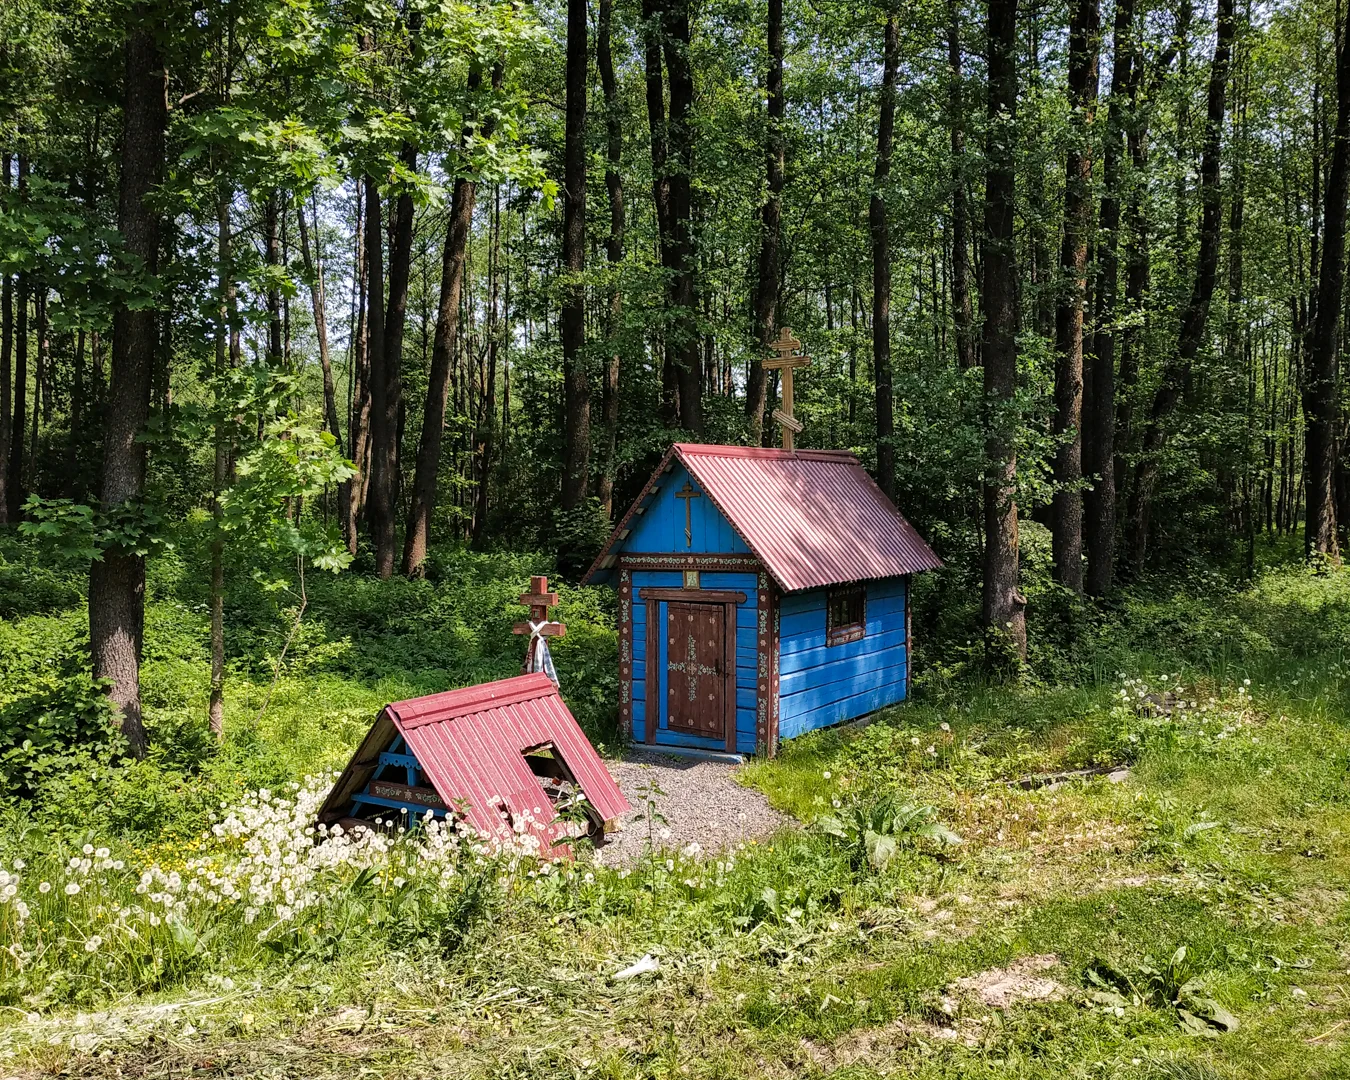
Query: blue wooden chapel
762,593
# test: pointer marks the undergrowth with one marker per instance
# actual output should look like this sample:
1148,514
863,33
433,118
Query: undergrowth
829,949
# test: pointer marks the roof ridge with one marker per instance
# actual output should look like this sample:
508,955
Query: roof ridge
450,704
767,452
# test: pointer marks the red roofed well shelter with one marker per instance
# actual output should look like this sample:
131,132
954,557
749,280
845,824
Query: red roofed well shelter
495,754
762,593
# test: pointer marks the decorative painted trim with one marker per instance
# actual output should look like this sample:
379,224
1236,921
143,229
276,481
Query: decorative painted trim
763,663
653,664
690,560
729,674
626,653
775,638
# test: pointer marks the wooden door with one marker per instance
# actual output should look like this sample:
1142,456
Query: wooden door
696,669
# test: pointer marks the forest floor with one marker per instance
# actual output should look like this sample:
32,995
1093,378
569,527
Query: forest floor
1046,945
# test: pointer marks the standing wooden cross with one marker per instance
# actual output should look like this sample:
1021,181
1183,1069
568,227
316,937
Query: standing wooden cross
687,493
539,600
789,356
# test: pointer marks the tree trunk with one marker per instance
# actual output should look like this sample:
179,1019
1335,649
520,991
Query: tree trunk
379,495
682,338
489,419
576,385
20,414
1004,605
319,306
1099,406
963,317
1194,316
614,253
770,225
221,470
653,34
879,226
6,366
358,419
386,354
40,381
1321,406
444,345
1066,526
117,581
272,226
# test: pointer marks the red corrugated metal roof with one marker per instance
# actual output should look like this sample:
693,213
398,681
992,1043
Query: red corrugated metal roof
812,517
470,744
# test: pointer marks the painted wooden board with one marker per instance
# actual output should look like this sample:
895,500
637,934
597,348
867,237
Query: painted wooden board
845,709
661,527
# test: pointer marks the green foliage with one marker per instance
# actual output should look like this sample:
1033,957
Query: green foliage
54,733
80,531
1178,986
873,832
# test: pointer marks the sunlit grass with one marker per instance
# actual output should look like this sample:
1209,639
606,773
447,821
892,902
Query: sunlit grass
1231,837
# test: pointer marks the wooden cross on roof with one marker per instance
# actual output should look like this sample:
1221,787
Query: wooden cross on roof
787,357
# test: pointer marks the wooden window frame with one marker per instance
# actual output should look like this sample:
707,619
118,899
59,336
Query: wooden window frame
851,631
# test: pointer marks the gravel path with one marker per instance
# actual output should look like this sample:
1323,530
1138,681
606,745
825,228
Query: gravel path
702,802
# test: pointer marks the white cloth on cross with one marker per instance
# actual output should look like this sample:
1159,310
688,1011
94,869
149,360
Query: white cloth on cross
537,656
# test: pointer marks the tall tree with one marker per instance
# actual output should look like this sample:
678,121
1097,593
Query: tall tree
1321,395
1004,605
614,252
117,581
682,337
358,410
962,315
576,386
1066,523
1195,314
220,473
445,343
653,33
313,260
17,426
386,376
879,225
379,482
1099,412
770,226
6,361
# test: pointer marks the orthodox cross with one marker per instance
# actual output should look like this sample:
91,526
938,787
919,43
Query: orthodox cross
539,600
689,667
788,356
687,493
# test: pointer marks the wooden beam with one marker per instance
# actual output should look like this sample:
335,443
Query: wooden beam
552,629
694,596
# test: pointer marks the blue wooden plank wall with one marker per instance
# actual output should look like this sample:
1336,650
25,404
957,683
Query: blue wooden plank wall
822,684
661,526
745,656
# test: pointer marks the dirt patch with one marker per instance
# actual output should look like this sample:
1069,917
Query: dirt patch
882,1048
1021,981
699,799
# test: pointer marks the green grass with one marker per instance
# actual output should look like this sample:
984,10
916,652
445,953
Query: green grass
1231,837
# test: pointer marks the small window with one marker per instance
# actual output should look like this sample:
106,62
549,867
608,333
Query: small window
845,614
